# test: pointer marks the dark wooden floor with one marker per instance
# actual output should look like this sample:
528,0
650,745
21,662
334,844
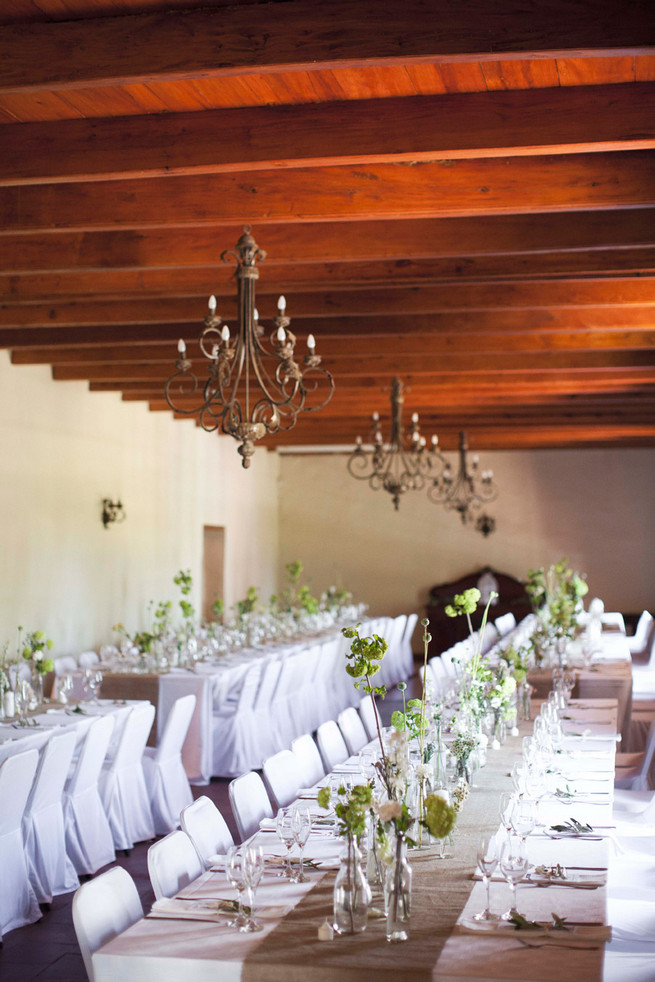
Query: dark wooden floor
48,950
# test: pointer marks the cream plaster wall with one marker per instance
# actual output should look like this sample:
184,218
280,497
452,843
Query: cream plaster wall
62,450
594,506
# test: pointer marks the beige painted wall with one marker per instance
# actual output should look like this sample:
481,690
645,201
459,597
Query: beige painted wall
62,450
594,506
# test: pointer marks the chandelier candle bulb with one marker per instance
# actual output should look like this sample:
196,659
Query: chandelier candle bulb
311,342
212,304
281,305
181,347
281,335
225,333
255,316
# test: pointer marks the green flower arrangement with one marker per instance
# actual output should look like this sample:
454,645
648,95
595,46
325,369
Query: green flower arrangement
439,817
351,809
34,648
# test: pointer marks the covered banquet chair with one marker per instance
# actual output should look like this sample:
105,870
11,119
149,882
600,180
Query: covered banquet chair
102,909
18,902
173,863
123,786
207,829
250,803
166,779
89,842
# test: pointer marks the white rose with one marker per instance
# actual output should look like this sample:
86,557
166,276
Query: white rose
389,811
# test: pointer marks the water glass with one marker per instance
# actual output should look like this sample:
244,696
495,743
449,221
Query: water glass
487,862
284,826
513,865
234,872
252,863
301,823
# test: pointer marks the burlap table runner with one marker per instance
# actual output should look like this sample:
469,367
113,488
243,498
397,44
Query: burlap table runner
292,953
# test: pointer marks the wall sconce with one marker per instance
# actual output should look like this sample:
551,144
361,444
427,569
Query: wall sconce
112,511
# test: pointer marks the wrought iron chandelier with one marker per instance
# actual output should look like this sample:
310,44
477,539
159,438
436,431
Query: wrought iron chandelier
251,389
393,466
466,491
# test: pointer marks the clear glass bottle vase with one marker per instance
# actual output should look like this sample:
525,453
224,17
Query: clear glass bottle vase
352,894
398,893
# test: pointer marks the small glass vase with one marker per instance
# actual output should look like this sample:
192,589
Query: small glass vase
37,687
464,770
525,692
352,894
398,893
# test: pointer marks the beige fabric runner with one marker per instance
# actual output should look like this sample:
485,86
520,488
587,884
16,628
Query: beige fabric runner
292,953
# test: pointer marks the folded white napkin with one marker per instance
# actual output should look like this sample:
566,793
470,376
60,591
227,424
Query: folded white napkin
574,934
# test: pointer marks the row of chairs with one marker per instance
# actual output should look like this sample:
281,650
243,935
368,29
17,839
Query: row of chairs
109,904
271,707
65,814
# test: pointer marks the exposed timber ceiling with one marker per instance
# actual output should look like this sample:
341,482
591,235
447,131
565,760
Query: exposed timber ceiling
461,193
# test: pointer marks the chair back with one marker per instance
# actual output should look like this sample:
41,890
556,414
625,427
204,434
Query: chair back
207,829
308,760
505,623
642,630
173,863
176,728
367,715
282,778
88,659
249,802
134,737
331,744
249,687
92,755
102,909
65,665
352,730
268,683
52,772
16,777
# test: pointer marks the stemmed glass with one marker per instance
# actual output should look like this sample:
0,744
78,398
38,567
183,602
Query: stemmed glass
235,873
524,817
513,865
301,823
252,864
505,808
284,827
92,683
487,862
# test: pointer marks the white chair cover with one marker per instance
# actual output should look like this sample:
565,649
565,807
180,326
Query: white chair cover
270,740
18,902
505,623
367,714
308,759
51,871
331,744
406,644
289,700
638,641
88,659
327,698
65,665
122,784
102,909
166,780
249,803
282,778
173,863
634,776
89,842
352,730
22,671
207,829
235,736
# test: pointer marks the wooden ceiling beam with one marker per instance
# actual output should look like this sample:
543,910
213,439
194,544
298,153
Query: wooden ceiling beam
101,286
385,301
402,328
301,34
370,131
331,242
438,344
381,191
383,366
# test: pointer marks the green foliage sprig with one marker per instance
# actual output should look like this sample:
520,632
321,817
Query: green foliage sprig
33,649
351,808
364,657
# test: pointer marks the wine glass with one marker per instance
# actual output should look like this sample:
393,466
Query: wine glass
524,817
235,876
487,862
252,864
284,827
94,681
301,823
513,865
505,806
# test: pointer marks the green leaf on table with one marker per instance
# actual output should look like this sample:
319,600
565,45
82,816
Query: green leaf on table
558,922
521,923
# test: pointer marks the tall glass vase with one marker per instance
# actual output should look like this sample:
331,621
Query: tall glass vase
398,893
352,894
37,687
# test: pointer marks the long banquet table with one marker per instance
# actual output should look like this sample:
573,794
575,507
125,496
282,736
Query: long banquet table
288,950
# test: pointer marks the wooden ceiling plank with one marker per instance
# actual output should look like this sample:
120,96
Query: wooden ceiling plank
105,285
492,124
504,235
438,344
390,191
343,330
403,300
301,34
